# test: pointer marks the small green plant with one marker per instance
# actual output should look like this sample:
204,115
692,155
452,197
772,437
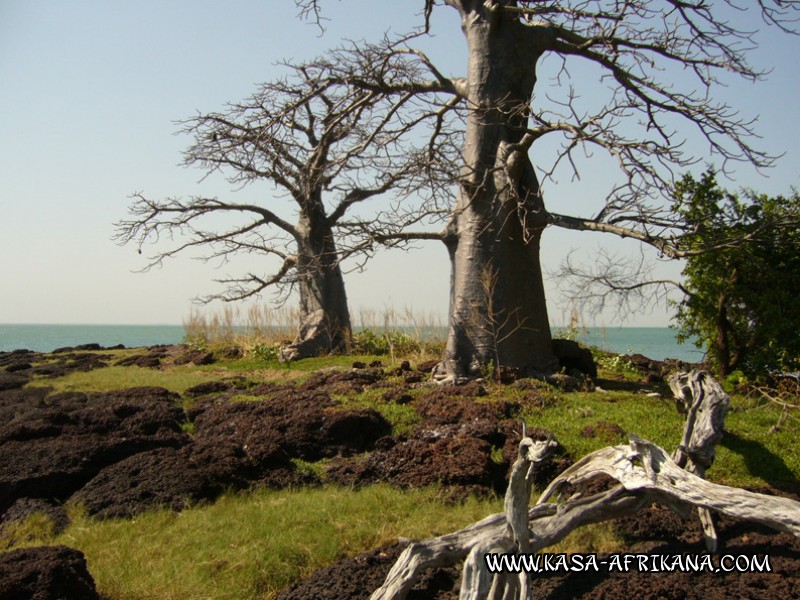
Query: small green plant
735,380
307,468
196,341
497,455
266,352
615,363
488,371
392,342
367,341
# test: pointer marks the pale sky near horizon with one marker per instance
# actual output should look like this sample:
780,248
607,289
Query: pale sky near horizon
89,95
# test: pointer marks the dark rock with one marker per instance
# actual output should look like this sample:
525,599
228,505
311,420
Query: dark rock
427,366
264,433
345,471
459,461
564,382
290,424
358,577
11,382
16,353
438,410
231,352
397,395
353,431
140,360
413,376
52,450
92,346
50,370
208,387
167,477
359,365
20,366
571,355
204,358
45,573
376,364
508,375
338,381
186,357
68,362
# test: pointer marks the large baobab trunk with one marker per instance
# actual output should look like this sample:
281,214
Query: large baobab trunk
498,312
324,313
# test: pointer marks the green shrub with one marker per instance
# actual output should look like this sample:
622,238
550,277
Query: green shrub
733,381
392,341
615,363
266,352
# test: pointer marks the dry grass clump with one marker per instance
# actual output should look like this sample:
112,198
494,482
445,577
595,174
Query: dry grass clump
260,329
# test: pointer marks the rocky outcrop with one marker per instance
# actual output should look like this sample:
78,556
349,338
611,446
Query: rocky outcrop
45,573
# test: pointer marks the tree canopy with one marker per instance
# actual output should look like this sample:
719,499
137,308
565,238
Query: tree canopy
327,148
637,80
741,300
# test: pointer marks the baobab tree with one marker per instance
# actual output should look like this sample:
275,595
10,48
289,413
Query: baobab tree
655,66
328,148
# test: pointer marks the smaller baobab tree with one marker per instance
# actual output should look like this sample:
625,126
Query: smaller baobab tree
326,147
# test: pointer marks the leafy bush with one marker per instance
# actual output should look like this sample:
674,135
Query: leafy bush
394,342
614,363
266,352
733,381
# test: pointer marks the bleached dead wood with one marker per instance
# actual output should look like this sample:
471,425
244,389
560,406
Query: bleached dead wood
646,474
476,578
705,404
643,466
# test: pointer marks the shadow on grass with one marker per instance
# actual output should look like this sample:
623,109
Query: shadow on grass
761,461
619,385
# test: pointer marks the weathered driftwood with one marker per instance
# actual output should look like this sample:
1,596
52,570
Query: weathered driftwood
646,474
643,466
705,405
476,577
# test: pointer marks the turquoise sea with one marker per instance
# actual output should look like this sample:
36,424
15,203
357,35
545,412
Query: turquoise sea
46,338
654,342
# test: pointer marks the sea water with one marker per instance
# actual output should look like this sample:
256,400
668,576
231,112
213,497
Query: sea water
46,338
655,342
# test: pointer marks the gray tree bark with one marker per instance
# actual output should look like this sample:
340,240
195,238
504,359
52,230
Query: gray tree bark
324,314
498,312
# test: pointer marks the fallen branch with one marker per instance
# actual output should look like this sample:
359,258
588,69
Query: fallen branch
646,474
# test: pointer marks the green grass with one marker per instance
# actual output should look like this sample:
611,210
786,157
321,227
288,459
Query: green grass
250,545
175,379
36,530
651,418
402,417
250,362
752,454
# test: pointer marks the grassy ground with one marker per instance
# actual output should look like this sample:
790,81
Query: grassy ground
248,545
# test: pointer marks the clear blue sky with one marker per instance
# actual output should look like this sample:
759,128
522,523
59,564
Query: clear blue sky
90,90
